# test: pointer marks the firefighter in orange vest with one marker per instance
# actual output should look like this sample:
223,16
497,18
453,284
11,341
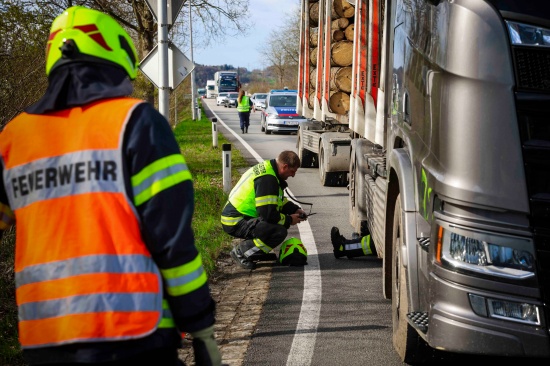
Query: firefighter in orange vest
106,268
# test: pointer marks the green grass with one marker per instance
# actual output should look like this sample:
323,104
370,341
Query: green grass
205,163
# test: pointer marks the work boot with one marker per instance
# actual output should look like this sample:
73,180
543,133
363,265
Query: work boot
240,259
337,242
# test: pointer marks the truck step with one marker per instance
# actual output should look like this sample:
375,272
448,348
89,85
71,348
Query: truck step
419,320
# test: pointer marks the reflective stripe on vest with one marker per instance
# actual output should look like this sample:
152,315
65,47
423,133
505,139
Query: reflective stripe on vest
244,105
82,271
364,245
243,196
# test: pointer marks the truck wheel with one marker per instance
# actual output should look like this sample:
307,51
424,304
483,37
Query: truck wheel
327,179
306,156
410,347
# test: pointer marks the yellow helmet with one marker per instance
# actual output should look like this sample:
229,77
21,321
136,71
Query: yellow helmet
82,34
293,253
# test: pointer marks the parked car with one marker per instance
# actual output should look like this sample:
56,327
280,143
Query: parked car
220,98
280,114
258,101
231,100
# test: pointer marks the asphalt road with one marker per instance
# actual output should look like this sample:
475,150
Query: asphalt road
332,311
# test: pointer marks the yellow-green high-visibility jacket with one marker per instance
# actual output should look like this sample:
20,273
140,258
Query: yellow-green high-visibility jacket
259,193
244,105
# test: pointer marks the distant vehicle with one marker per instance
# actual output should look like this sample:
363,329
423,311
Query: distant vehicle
280,114
231,100
226,81
201,92
220,98
258,101
211,89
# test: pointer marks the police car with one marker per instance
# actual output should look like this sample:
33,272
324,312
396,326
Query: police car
280,114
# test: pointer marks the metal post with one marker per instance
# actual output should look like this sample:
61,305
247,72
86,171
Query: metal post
193,100
226,156
214,132
164,92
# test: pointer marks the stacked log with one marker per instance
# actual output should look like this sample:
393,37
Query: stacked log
314,14
341,53
340,23
342,79
337,35
348,32
343,8
339,102
313,37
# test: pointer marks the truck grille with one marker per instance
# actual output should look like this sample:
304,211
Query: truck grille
533,108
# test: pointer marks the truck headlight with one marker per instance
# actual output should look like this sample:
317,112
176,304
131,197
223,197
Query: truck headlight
490,254
528,35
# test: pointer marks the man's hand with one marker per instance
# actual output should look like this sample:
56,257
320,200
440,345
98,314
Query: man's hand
298,218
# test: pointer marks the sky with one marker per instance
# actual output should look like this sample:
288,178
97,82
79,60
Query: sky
242,51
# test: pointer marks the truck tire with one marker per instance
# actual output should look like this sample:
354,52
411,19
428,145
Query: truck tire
306,156
327,179
410,347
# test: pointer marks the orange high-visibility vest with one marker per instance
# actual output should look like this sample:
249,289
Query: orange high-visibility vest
82,270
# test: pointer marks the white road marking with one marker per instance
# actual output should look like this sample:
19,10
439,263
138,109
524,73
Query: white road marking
301,351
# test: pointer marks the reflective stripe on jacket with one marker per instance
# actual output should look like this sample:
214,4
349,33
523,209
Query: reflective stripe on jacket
243,197
244,105
82,271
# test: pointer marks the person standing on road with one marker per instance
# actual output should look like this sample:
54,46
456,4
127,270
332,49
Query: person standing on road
244,106
106,269
257,210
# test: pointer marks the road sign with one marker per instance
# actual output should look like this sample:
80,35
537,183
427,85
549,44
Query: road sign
179,66
173,9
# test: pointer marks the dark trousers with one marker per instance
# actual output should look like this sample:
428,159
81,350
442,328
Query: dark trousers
270,234
244,118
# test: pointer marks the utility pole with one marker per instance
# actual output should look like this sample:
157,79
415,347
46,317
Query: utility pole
164,88
193,101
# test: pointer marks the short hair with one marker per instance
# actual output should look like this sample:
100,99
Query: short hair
289,158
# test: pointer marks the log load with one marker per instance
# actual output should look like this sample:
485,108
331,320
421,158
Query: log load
343,8
313,56
341,53
313,37
340,23
349,32
339,103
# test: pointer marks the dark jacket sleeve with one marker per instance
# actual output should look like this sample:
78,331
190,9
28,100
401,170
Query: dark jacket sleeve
166,216
268,186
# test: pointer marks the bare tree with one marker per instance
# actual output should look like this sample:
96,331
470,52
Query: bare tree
282,51
25,25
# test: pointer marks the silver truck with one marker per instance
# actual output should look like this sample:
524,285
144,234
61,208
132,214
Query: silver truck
443,139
